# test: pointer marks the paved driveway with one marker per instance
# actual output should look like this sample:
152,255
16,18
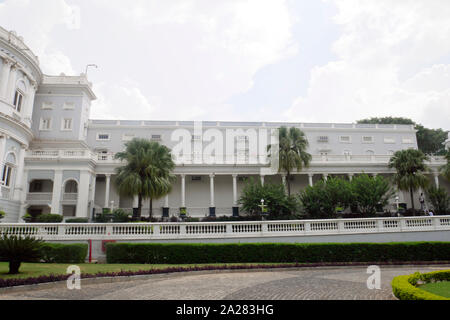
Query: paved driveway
342,283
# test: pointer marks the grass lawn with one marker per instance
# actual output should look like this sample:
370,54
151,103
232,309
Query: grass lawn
441,288
31,270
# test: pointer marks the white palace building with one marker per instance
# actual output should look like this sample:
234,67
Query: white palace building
54,159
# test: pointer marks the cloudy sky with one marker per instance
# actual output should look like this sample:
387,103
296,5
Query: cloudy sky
248,60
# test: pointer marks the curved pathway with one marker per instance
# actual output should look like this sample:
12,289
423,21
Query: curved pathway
340,283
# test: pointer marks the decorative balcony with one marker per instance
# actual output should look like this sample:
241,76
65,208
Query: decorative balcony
39,197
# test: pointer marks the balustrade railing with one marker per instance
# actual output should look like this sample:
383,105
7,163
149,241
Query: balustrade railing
154,231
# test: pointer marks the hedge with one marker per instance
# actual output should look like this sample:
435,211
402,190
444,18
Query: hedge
63,253
405,287
150,253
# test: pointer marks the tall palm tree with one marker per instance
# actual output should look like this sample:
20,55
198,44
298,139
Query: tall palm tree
292,153
159,171
411,169
147,172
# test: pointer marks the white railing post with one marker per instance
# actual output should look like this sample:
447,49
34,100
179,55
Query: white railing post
265,227
307,227
109,230
341,226
380,225
156,230
229,229
182,229
436,222
403,225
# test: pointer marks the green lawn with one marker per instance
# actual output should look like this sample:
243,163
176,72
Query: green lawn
28,270
439,288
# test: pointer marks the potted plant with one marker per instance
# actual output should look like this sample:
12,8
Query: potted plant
27,218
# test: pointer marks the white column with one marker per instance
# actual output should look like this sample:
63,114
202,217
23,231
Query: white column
57,187
2,151
310,176
183,191
166,201
11,88
4,77
28,110
350,176
83,195
92,190
325,176
211,189
136,202
107,190
436,179
23,204
262,179
235,197
284,182
19,174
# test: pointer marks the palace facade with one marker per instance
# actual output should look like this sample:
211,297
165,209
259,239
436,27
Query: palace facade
55,159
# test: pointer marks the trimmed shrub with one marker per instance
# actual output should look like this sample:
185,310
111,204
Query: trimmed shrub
77,220
2,214
149,253
63,253
405,287
49,218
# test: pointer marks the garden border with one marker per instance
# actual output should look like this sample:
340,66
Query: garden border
53,281
403,287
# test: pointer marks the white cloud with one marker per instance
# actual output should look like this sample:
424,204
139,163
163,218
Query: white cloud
35,21
385,65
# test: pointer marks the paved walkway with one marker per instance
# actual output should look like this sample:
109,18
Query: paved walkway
347,283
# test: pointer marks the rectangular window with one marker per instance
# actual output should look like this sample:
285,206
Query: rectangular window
46,124
367,139
389,140
66,125
128,137
18,99
47,105
196,178
407,140
6,176
69,106
156,137
103,136
345,139
323,139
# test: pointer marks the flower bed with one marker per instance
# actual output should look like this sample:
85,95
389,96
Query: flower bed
406,287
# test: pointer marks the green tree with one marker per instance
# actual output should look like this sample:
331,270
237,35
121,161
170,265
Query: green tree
274,196
445,170
17,249
370,192
439,198
147,172
326,198
410,171
292,152
430,141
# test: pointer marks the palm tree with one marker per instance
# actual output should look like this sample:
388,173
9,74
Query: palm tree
292,153
147,172
411,168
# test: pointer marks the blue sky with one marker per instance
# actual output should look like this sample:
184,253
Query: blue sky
248,60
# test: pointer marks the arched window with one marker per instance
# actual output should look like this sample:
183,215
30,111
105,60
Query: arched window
7,172
19,95
370,152
71,187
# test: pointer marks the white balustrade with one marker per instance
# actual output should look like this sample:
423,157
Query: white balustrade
205,230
